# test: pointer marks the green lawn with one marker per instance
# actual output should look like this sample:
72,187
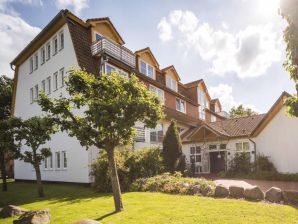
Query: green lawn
70,202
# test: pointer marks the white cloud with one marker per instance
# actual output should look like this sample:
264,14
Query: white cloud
77,5
224,93
15,34
165,30
248,53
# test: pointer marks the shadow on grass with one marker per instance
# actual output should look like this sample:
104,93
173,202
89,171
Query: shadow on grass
105,216
20,193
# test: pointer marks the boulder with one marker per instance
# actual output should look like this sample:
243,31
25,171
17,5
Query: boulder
86,221
254,194
236,192
221,191
11,210
290,197
35,217
206,191
274,194
196,189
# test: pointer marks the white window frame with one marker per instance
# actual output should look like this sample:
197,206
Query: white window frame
202,114
97,33
31,95
46,163
42,55
49,85
31,66
147,65
55,81
36,92
48,51
180,103
62,77
35,61
43,85
171,83
61,40
213,118
64,160
56,160
242,146
116,69
156,90
51,162
158,133
55,48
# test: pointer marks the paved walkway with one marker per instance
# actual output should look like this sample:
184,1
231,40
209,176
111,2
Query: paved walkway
263,184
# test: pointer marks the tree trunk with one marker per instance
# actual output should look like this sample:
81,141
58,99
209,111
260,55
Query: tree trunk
38,181
115,181
3,173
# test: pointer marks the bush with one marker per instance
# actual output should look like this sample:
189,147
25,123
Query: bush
173,184
264,164
130,166
240,164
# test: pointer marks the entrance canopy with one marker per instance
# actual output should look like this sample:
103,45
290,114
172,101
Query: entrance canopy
206,134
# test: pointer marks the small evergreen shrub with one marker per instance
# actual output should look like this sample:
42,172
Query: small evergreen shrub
131,165
173,184
240,164
264,164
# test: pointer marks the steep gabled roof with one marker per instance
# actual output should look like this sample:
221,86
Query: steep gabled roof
271,113
147,49
194,83
175,72
109,22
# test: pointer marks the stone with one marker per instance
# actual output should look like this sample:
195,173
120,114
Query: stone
221,191
86,221
206,191
196,189
35,217
290,197
254,193
236,192
274,194
11,210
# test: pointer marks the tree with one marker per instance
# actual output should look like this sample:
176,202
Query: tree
289,11
241,111
8,148
110,106
172,148
35,132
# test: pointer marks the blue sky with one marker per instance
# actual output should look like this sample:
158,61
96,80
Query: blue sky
236,46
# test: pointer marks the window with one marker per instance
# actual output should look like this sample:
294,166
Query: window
64,159
171,83
31,64
46,163
109,69
158,92
202,114
156,135
49,85
43,86
35,61
195,154
180,105
213,118
50,161
146,69
61,40
62,77
55,45
55,81
58,160
31,95
98,36
36,92
212,147
48,49
43,55
242,146
223,146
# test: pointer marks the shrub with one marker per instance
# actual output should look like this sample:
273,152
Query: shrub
240,164
131,165
173,184
264,164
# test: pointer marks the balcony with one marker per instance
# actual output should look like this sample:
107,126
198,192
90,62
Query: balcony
114,50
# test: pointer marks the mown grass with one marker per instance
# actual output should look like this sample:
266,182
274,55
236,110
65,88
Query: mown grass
72,202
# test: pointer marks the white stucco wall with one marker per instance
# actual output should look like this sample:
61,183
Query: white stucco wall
78,159
279,141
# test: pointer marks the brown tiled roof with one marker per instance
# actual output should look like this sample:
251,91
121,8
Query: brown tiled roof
181,117
194,83
237,127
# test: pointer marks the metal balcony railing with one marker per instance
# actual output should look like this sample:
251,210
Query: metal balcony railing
115,50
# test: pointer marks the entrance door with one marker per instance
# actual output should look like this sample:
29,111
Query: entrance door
217,161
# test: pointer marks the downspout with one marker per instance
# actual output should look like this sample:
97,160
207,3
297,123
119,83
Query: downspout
255,152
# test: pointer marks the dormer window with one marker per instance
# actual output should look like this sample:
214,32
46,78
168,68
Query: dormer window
171,83
146,69
180,105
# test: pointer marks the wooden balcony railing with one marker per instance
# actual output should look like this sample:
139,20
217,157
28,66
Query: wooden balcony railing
115,50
